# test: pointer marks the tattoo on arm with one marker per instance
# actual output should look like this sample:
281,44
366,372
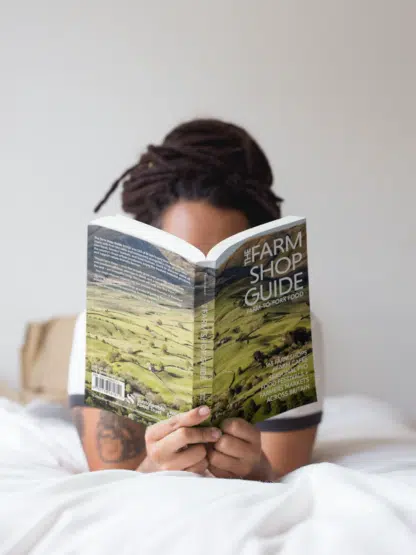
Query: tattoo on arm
118,438
78,417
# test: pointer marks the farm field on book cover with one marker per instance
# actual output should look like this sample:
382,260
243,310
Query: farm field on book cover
140,327
263,355
144,337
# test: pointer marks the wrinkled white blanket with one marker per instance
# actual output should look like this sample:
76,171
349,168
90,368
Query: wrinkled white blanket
359,496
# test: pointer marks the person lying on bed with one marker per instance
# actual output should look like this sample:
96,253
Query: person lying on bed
209,179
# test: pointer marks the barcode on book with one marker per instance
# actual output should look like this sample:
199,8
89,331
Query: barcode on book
108,386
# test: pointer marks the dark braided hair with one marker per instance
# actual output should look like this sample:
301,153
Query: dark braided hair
203,159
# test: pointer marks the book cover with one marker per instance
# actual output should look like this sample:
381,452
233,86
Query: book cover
263,356
165,334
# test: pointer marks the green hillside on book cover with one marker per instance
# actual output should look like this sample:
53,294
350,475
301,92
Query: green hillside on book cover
140,327
148,323
263,356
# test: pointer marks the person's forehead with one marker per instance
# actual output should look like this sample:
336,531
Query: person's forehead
202,213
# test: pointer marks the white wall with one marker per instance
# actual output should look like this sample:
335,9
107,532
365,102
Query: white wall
328,87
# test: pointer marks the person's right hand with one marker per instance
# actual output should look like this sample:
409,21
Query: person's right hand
175,444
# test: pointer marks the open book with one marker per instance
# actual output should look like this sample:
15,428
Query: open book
169,329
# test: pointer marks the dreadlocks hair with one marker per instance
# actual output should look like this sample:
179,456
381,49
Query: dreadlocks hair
203,159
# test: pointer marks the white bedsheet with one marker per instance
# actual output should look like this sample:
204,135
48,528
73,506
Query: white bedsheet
359,496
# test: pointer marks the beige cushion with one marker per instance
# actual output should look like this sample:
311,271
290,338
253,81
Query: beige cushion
45,359
9,393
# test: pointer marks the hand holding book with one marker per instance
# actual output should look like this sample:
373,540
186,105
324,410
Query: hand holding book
238,453
179,444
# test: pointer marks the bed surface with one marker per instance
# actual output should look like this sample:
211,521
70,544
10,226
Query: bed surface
358,496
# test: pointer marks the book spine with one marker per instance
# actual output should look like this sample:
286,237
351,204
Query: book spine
204,336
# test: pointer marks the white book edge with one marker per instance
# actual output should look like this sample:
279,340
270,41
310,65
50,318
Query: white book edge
162,239
151,234
250,233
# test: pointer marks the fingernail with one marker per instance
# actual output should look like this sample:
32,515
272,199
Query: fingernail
204,411
216,434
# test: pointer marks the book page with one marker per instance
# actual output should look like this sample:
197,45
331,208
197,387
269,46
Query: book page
263,357
140,319
151,234
222,250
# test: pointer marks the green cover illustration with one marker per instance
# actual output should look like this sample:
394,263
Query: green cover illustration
165,334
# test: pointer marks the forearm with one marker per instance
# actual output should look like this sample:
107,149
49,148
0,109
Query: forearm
288,451
109,441
263,471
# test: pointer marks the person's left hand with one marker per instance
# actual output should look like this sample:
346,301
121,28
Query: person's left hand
238,453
